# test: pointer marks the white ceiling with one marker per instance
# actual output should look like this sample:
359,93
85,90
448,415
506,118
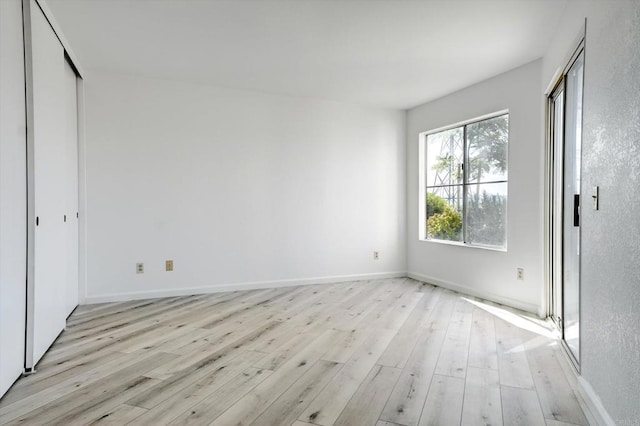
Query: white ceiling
388,53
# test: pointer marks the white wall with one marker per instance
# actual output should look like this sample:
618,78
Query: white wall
240,189
12,194
488,273
610,281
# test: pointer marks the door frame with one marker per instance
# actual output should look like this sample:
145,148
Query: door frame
551,248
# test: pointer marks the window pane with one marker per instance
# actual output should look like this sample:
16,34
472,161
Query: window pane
487,145
487,214
445,157
444,213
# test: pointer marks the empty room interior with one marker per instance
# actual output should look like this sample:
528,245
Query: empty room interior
320,212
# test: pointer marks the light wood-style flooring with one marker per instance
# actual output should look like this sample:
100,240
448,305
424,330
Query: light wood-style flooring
382,352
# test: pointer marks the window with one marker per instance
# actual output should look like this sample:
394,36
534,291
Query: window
465,177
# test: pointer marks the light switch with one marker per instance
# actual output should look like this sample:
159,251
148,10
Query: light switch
595,196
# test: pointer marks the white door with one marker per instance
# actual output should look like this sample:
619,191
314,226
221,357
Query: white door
71,186
13,197
46,312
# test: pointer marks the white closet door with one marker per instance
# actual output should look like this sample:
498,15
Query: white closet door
13,197
71,186
46,304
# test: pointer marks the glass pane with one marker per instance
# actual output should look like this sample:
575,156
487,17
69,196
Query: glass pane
571,230
444,157
487,144
487,214
556,218
444,213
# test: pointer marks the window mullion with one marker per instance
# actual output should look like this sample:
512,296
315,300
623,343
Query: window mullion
465,176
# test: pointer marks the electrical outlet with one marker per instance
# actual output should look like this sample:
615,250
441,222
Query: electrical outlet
376,255
139,268
520,274
168,265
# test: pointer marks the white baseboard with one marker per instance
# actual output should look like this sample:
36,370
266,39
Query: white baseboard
594,403
255,285
513,303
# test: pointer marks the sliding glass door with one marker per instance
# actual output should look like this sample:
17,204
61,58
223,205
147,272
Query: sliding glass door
566,136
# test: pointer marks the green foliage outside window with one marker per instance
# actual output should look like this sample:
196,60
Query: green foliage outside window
443,221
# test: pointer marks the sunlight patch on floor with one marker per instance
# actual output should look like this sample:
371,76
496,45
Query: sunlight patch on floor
518,320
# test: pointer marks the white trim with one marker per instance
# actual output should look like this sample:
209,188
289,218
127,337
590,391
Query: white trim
466,122
572,375
186,291
58,31
594,403
82,195
460,288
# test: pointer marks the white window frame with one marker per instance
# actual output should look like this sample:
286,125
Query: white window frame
422,205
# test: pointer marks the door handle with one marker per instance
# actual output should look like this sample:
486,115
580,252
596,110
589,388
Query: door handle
576,209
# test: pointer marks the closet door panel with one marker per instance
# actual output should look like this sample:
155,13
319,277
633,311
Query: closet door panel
13,196
71,186
47,305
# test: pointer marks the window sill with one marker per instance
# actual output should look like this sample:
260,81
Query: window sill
455,243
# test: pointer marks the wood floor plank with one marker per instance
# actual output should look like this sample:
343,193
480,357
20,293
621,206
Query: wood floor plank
556,396
557,423
365,406
345,345
174,403
397,315
442,311
91,402
218,402
201,310
520,407
404,341
101,328
443,406
92,344
376,295
327,406
121,415
384,306
98,406
455,349
482,403
290,404
249,407
407,399
236,310
187,341
355,297
289,349
215,352
126,366
512,359
112,340
35,383
107,310
482,346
